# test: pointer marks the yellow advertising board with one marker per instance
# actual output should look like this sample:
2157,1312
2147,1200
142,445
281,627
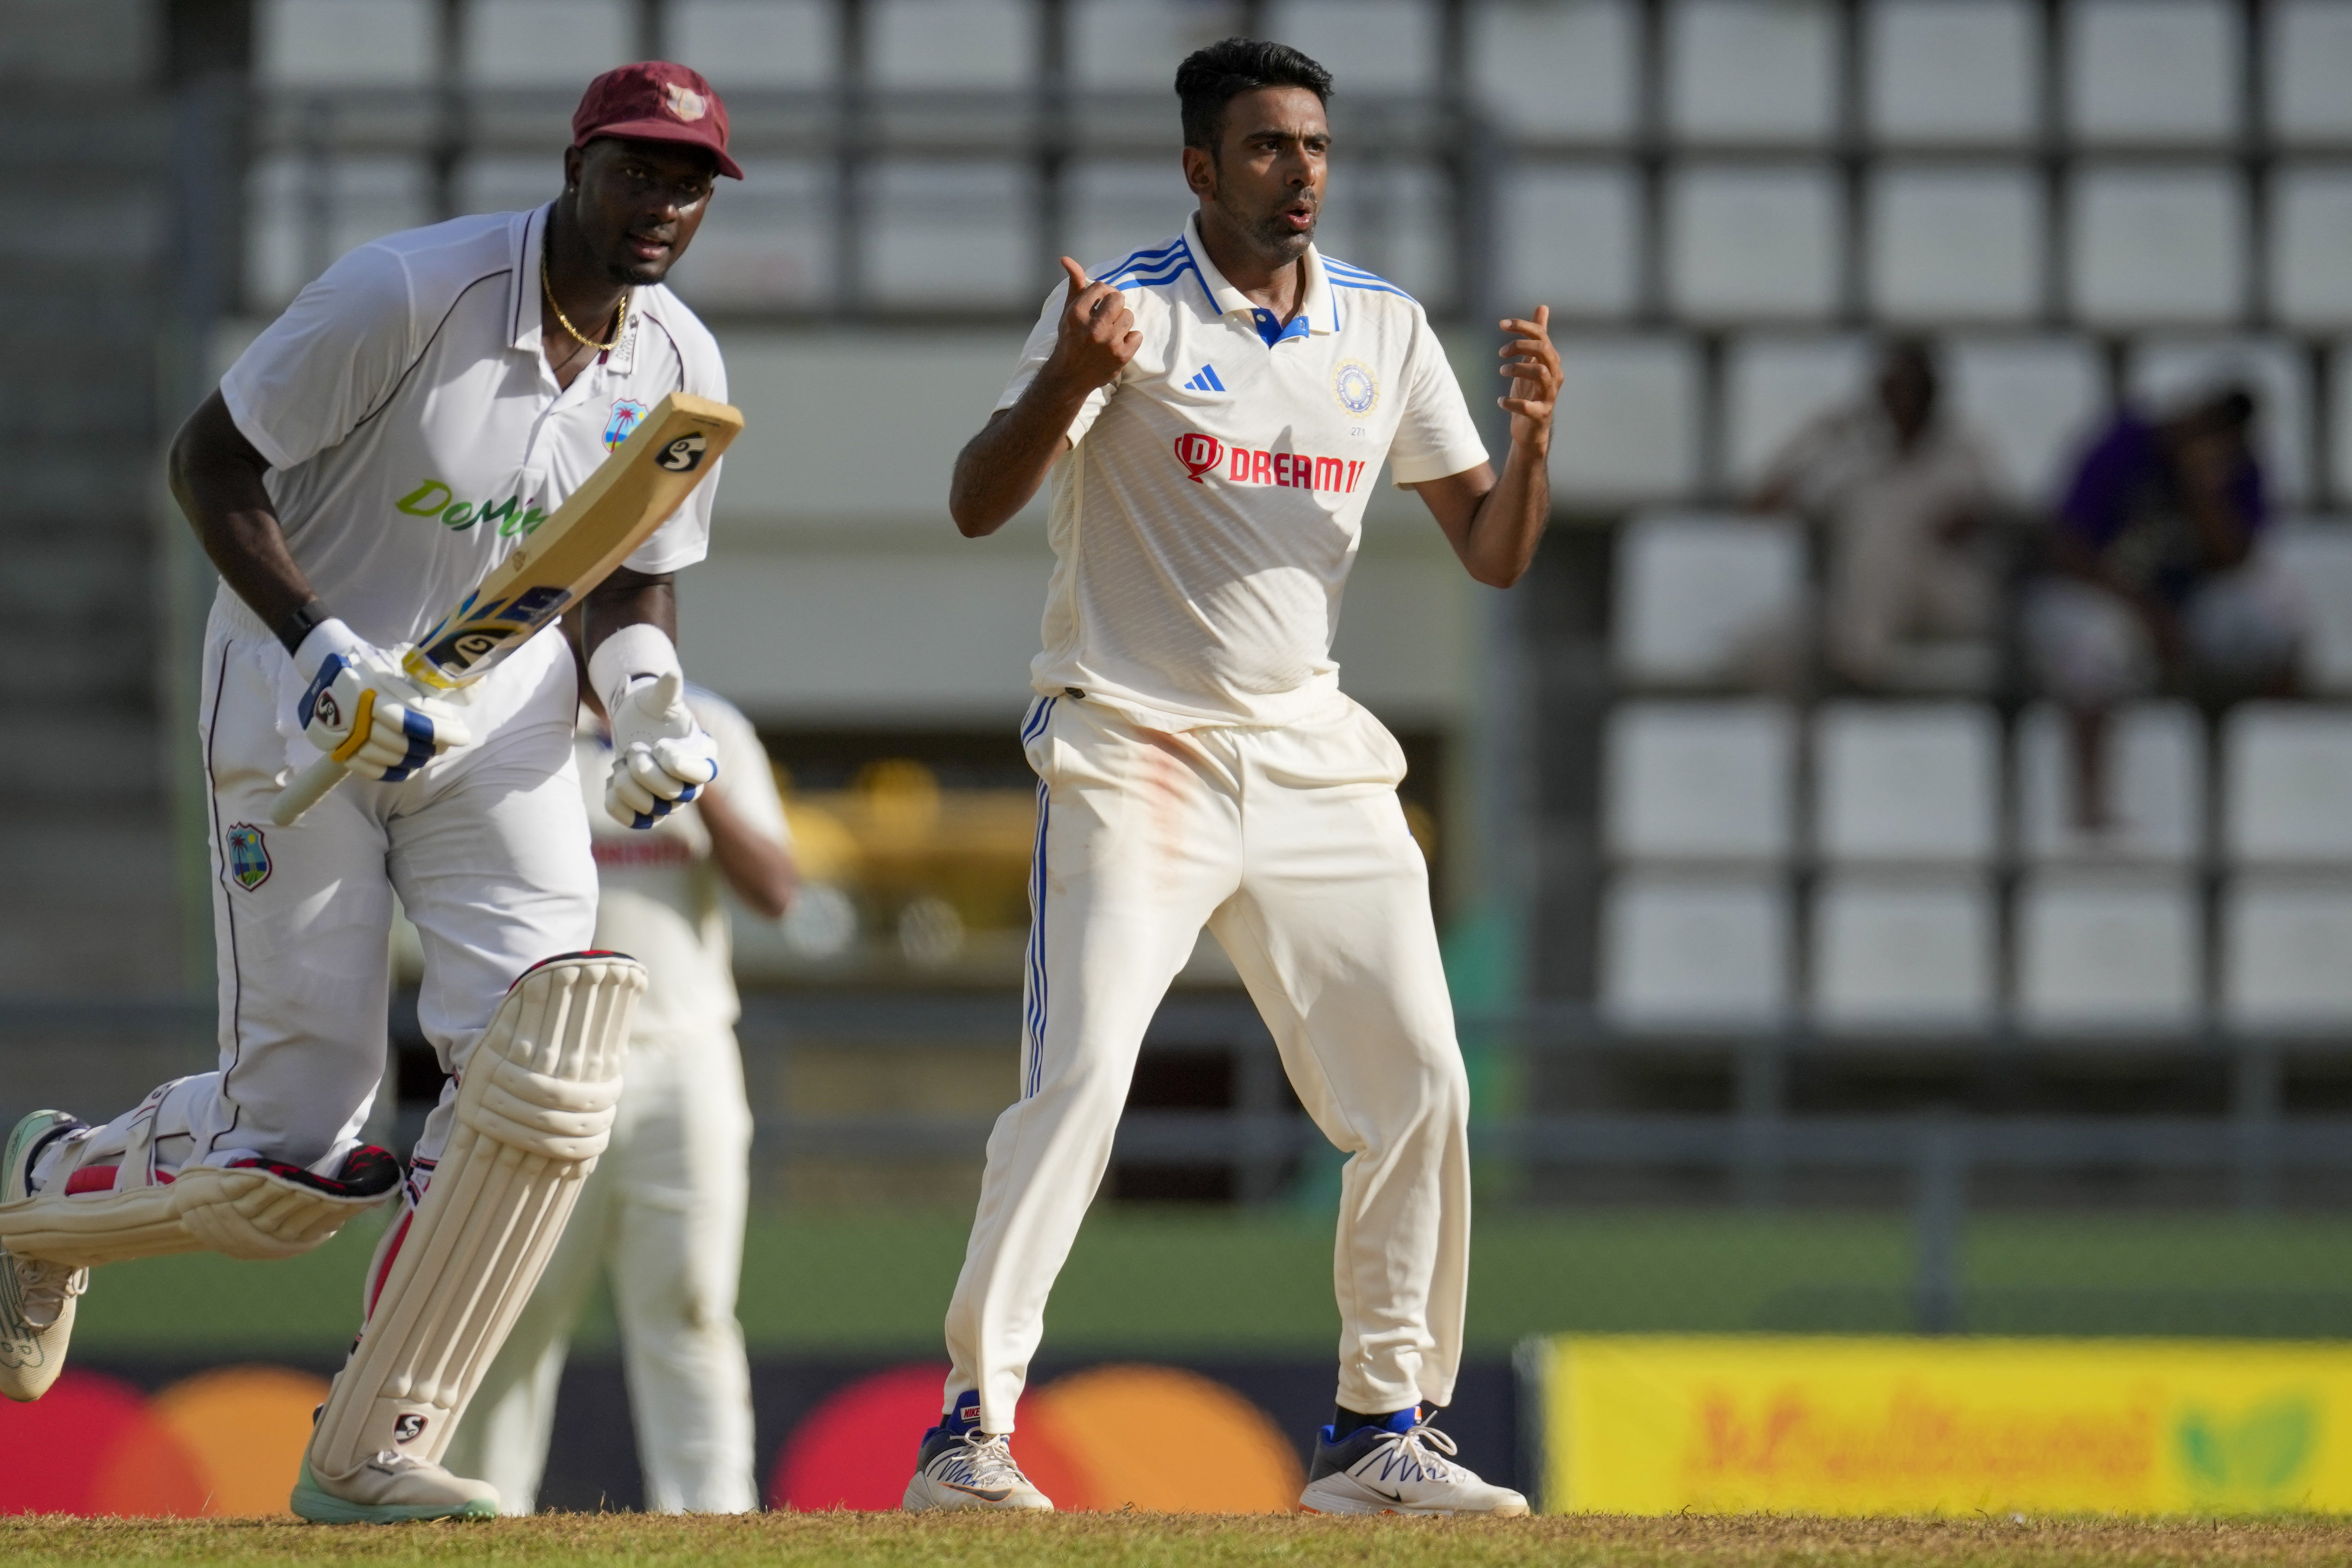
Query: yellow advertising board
1657,1423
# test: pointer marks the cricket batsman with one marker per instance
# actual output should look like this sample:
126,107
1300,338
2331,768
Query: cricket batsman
1212,412
398,432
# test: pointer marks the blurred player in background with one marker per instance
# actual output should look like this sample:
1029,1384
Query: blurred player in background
395,434
662,1218
1213,413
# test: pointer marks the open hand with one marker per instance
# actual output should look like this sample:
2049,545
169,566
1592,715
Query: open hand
1097,336
1533,365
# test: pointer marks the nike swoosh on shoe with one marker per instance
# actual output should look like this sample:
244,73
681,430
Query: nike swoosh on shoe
983,1493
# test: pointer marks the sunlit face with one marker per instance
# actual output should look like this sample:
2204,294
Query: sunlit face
639,204
1268,172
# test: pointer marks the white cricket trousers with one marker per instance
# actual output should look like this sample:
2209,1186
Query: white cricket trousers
1290,846
488,847
662,1220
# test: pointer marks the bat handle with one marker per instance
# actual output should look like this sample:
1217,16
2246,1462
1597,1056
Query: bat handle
311,786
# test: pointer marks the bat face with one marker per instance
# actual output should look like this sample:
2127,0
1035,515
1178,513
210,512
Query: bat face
631,494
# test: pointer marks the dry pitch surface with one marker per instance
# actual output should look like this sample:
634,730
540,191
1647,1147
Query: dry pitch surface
1148,1541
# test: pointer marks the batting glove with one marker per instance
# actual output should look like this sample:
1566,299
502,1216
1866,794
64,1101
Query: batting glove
661,757
361,711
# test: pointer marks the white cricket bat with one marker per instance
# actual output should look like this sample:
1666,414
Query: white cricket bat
633,492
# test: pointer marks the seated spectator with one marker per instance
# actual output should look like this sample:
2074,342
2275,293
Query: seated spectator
1904,494
2152,579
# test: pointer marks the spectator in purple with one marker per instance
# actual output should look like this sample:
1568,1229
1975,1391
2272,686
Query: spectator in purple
2153,579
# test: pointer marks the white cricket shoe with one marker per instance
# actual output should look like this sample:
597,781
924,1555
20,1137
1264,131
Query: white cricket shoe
1402,1467
960,1465
36,1299
391,1488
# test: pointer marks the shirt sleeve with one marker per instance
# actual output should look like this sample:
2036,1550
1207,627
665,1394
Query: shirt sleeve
685,538
1033,355
329,362
744,771
1435,437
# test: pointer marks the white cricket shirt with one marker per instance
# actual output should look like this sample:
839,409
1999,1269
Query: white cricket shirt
415,433
1206,515
659,890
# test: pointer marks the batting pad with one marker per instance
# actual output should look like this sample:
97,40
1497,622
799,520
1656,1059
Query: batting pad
534,1109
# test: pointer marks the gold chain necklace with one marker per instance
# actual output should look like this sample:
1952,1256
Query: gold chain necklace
620,322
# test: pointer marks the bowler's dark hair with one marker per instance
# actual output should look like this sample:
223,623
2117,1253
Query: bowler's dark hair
1209,78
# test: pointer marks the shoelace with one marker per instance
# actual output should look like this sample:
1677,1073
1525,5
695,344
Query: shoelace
1424,1443
46,1288
990,1455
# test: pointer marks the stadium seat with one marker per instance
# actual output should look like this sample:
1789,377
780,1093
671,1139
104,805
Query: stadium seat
1905,782
1570,239
1774,385
345,43
2167,372
2036,400
2286,777
2286,954
1955,243
765,43
2311,245
1699,781
367,196
2339,412
1383,45
2316,555
1696,595
947,234
1117,206
1903,954
1739,71
769,245
1748,241
1627,423
1697,953
1557,70
1951,71
2152,70
2308,58
2108,949
554,44
1133,46
2154,243
956,45
2156,787
1393,217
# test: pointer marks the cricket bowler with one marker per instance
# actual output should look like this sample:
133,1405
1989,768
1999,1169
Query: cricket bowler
405,427
1214,412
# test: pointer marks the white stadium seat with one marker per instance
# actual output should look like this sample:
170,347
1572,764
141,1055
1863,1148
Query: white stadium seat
344,43
1774,385
2308,56
1117,206
1557,70
757,43
1905,782
2286,954
1695,595
1745,71
1570,239
2311,244
367,197
2316,555
1627,423
1952,72
2108,949
955,45
1903,954
2286,784
947,234
1371,45
1955,243
1695,953
2167,372
506,183
2157,244
2152,70
1745,241
1699,781
1393,217
554,44
769,244
2339,409
1135,45
2156,787
2035,399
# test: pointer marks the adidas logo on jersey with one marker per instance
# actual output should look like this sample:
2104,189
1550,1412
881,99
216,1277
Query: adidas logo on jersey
1205,381
1204,454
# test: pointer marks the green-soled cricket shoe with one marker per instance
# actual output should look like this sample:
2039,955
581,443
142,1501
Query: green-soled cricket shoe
391,1488
37,1298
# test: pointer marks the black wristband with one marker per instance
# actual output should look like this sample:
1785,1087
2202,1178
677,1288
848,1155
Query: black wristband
300,622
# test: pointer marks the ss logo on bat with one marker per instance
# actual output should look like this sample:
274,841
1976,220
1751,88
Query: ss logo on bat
683,455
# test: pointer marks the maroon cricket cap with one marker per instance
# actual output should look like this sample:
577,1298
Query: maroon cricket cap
655,100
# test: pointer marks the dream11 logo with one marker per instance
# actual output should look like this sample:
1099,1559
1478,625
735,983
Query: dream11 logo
1202,454
1199,454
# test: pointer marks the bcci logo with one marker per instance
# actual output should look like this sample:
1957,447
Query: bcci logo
684,454
248,856
1199,454
626,414
1355,385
